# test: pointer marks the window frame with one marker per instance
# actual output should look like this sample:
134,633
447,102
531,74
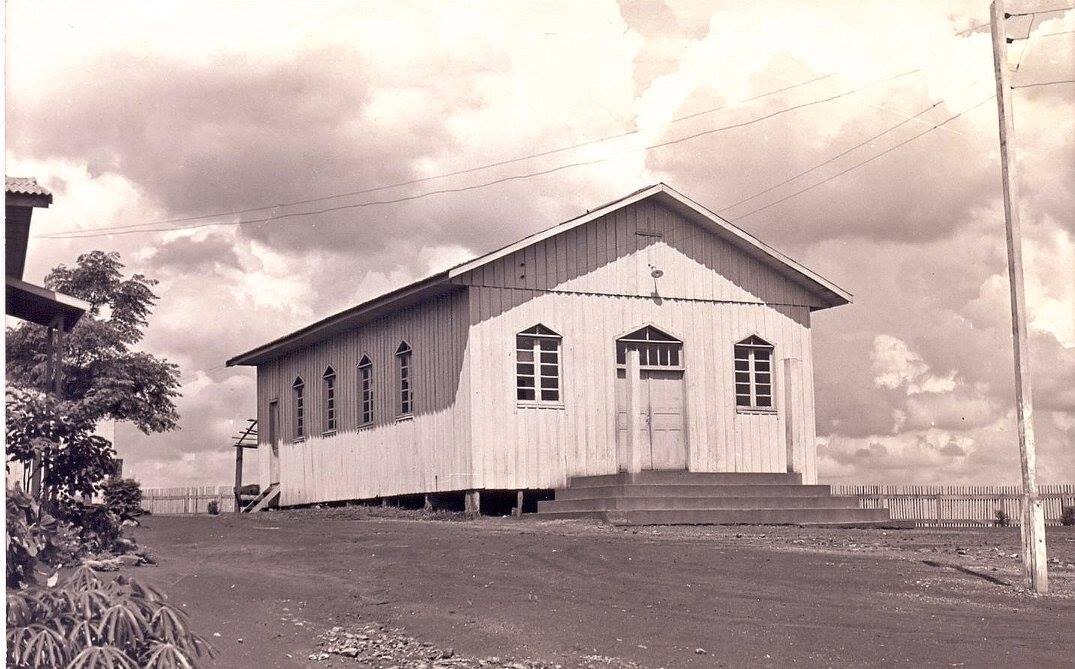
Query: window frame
365,392
404,381
538,334
329,415
667,343
752,345
298,405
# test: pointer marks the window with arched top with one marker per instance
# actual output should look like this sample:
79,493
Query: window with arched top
328,400
297,390
656,349
365,391
537,366
754,374
403,371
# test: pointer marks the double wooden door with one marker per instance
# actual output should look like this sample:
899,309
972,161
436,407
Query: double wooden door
662,435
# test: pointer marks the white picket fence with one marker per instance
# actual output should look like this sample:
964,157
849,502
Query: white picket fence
188,500
957,505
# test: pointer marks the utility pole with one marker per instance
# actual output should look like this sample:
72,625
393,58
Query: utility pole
1032,521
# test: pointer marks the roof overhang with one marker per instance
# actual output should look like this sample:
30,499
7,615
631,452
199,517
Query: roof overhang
39,305
420,291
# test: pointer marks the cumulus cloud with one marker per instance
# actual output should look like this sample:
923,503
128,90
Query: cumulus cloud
268,106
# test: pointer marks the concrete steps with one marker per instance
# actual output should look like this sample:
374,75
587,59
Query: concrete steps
697,498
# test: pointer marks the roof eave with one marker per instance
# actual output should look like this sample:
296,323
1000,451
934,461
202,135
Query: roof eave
413,292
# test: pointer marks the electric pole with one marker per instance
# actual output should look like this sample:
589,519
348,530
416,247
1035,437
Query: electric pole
1032,518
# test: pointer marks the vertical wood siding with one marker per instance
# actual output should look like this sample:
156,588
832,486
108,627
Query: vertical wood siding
616,254
594,284
426,453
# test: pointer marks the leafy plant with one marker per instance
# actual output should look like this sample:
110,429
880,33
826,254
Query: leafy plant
75,460
37,542
123,497
1067,516
83,622
98,528
213,507
1001,518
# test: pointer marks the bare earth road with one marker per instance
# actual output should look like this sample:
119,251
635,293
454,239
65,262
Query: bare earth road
656,597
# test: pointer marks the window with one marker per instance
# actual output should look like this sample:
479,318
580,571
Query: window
296,390
406,394
537,366
328,399
656,349
754,374
365,391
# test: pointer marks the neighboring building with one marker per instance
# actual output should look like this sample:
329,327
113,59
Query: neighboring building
26,301
646,334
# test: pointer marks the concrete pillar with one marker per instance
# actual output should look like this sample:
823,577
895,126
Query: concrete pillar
634,413
472,503
518,510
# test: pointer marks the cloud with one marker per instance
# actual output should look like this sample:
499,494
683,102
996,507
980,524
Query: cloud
142,112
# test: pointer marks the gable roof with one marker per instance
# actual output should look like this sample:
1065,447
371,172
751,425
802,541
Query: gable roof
442,282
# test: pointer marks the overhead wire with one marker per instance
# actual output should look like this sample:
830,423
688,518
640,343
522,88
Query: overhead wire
863,162
476,168
98,232
1046,83
833,158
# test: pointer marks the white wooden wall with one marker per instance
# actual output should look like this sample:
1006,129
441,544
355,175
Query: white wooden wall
430,452
594,284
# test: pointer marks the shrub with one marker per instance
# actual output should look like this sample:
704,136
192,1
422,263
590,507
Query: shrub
83,622
123,497
1001,518
213,507
1067,516
98,528
37,542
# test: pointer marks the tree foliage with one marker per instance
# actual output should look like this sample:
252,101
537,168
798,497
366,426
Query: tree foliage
104,377
75,460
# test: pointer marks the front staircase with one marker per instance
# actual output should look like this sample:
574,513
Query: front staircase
696,498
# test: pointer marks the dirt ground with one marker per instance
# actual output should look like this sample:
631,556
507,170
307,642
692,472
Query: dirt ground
277,589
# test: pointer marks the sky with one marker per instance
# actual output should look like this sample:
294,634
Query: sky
141,113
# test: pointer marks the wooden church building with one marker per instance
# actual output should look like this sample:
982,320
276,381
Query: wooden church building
648,337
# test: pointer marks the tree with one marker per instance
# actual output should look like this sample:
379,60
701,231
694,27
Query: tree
104,378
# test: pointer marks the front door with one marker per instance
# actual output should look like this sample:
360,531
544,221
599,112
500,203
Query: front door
662,432
274,442
663,420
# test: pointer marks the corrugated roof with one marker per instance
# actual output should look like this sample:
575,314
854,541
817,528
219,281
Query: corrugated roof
24,186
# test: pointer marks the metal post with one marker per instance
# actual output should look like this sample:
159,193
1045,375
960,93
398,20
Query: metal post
1032,518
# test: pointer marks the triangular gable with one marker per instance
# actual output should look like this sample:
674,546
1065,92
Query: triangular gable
831,294
445,282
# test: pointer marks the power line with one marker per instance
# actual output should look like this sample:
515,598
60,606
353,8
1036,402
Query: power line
80,234
477,168
836,157
863,162
1011,15
1046,83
